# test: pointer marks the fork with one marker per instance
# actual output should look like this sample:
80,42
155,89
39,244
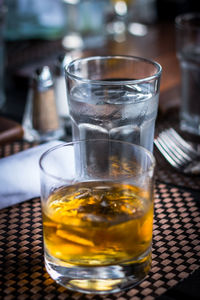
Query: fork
178,152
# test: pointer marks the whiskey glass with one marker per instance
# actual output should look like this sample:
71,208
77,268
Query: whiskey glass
97,207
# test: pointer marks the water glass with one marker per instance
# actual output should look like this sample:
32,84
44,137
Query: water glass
188,52
114,97
97,215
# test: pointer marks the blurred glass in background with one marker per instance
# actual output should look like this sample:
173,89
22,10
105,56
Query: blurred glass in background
85,23
34,19
80,22
131,16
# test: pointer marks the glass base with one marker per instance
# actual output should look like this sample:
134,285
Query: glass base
96,279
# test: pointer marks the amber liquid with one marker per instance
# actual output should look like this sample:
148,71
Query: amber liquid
98,223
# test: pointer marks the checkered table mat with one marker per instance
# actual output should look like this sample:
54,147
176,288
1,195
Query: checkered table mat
176,250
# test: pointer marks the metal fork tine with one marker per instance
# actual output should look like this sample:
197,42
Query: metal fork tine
165,153
176,156
170,151
177,152
168,155
171,144
182,143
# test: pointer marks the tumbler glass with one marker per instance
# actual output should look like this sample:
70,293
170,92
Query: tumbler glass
97,214
188,52
114,97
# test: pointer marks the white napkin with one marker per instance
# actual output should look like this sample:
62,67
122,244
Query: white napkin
19,175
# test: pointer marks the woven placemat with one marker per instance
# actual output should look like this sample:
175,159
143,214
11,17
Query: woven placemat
166,173
176,250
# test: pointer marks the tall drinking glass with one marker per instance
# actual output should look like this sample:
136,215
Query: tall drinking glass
114,97
97,215
188,52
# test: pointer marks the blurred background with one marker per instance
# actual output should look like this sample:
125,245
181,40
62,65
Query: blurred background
35,33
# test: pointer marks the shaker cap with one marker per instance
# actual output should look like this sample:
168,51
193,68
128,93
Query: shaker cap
42,79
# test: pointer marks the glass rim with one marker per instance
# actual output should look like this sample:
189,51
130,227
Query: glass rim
114,82
187,17
50,150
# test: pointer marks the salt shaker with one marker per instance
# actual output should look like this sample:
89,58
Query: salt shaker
41,121
60,90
